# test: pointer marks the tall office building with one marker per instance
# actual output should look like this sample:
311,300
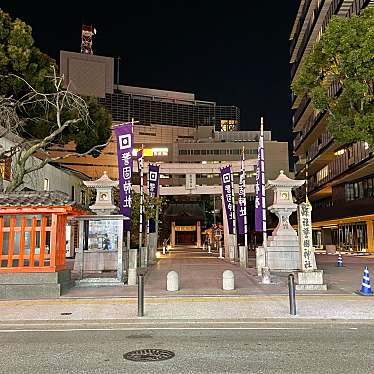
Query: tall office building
340,179
92,75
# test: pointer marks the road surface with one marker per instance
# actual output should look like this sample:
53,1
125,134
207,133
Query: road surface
199,347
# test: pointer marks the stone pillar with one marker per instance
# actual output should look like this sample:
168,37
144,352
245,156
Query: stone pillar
198,234
243,256
120,252
369,229
78,261
152,247
172,281
133,264
228,280
172,239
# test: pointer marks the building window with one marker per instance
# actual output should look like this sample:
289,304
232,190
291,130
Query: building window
73,193
361,189
46,184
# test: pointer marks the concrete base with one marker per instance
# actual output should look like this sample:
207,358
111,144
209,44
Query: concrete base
282,254
131,279
310,281
34,285
96,261
98,282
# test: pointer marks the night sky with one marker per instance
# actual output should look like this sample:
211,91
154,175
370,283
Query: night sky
233,54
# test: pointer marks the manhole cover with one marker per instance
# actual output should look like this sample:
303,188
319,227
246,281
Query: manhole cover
146,355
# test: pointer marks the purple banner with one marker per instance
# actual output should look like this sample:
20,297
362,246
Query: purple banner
153,180
139,156
125,142
227,186
153,189
242,202
260,212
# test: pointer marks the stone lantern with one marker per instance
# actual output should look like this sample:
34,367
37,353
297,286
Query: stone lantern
104,194
283,245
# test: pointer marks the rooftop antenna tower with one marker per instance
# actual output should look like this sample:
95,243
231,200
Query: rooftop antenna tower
87,33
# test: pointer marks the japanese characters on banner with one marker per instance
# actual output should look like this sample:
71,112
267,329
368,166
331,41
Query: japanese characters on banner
125,143
242,202
304,213
227,186
153,183
139,156
260,206
141,207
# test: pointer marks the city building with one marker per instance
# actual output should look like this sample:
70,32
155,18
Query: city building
189,138
340,179
145,105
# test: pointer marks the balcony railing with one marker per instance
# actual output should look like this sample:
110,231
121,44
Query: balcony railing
357,6
299,25
319,145
354,155
300,109
333,9
309,124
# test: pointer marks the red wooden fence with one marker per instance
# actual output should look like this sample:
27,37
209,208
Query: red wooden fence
33,239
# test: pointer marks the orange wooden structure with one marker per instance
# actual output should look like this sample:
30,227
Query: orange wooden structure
33,238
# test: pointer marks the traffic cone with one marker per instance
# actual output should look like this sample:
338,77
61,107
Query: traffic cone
340,264
365,285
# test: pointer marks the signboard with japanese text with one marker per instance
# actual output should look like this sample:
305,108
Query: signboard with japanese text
304,215
260,206
125,143
153,189
227,186
242,202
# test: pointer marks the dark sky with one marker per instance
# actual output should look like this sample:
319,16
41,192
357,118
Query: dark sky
233,54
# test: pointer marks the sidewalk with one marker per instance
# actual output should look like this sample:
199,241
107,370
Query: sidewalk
201,296
261,308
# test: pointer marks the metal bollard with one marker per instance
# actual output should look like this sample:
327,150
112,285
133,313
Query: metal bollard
140,295
291,294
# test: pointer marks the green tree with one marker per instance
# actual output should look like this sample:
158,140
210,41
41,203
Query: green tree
151,204
343,56
19,56
44,113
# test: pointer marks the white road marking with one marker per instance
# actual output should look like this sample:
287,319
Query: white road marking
153,328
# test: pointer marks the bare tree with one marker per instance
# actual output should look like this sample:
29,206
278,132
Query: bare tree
61,109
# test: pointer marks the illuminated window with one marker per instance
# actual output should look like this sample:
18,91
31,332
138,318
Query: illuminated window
323,173
149,152
46,184
228,125
339,152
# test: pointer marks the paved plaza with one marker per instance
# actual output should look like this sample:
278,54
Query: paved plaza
200,274
201,297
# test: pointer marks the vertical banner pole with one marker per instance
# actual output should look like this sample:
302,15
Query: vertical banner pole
141,205
242,204
260,204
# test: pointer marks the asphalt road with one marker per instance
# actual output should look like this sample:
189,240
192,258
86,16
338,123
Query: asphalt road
199,347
